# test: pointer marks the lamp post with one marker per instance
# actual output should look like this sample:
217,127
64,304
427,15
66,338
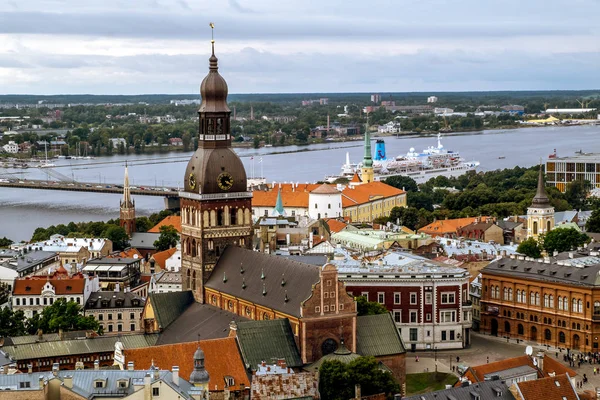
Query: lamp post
435,357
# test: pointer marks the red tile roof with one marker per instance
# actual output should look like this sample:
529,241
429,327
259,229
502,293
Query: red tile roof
262,198
449,226
326,189
161,257
62,286
335,225
355,178
551,388
477,373
221,358
129,253
174,220
367,192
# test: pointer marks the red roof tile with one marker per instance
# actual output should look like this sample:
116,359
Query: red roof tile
449,226
221,358
161,257
174,220
335,225
326,189
62,286
551,388
477,373
367,192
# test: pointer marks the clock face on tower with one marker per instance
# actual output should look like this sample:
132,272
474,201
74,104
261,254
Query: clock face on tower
192,181
225,181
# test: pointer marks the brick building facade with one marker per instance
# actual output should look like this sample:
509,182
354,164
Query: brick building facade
550,301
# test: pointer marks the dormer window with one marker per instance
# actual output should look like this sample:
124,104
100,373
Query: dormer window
135,302
99,383
229,381
122,383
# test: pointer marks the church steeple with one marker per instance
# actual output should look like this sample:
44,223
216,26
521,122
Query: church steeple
127,206
278,211
541,199
367,174
199,376
540,215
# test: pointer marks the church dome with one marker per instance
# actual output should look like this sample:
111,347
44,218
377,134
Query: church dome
208,167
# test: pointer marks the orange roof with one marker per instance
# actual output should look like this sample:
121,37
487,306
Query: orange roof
355,178
162,256
293,187
367,192
221,358
326,189
174,220
449,226
61,286
262,198
551,388
335,225
477,373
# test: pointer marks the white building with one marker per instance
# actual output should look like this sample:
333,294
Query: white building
443,111
97,247
32,295
11,147
325,202
116,142
390,127
19,263
569,110
432,99
166,282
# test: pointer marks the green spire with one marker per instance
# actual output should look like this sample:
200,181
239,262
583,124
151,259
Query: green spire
278,211
368,159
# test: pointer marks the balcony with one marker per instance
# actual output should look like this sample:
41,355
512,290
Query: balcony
467,303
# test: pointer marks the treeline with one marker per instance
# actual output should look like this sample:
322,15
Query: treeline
500,193
100,229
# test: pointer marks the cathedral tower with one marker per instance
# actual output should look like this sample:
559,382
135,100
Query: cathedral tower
127,207
216,207
540,215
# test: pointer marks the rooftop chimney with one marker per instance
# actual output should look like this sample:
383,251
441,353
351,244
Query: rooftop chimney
175,373
97,364
130,366
68,381
29,368
55,367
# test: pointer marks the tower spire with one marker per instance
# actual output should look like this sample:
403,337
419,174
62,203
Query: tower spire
541,199
126,188
366,172
127,206
278,211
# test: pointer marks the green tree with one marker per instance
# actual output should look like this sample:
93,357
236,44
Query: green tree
563,239
118,236
65,315
593,222
530,247
12,323
403,182
143,224
420,200
365,307
576,194
167,239
40,234
5,242
337,380
186,139
405,216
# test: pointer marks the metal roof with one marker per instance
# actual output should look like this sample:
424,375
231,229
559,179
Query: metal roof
377,335
488,390
101,344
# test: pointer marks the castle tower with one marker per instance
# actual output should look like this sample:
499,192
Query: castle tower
216,207
366,171
540,215
127,207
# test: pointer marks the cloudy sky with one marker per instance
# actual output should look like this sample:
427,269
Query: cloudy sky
266,46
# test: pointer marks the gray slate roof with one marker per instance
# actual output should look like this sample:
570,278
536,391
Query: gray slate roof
169,306
377,335
84,382
46,337
28,260
581,275
266,340
488,390
95,300
101,344
318,260
269,292
143,240
208,321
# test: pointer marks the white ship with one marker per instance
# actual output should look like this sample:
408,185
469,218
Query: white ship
432,162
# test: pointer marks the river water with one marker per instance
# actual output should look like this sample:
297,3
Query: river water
23,210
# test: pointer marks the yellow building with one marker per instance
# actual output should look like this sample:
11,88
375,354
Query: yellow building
364,203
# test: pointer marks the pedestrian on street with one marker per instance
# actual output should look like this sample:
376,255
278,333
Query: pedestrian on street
416,358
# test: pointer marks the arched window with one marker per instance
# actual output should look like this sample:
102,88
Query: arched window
548,226
597,307
537,299
551,301
189,280
206,219
580,306
548,334
561,337
574,308
546,301
506,327
559,301
510,294
220,218
505,294
545,320
565,303
535,227
213,218
531,298
520,330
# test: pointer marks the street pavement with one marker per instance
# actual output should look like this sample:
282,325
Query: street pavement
485,349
